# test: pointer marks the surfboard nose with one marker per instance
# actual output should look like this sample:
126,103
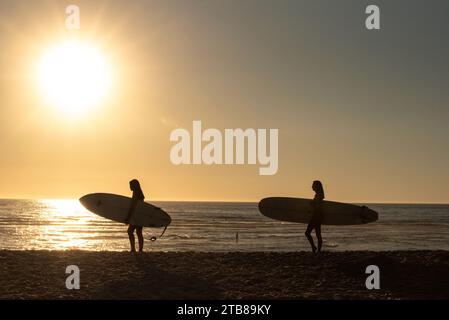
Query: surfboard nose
375,215
369,215
84,200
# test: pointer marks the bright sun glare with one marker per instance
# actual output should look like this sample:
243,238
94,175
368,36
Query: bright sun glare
73,77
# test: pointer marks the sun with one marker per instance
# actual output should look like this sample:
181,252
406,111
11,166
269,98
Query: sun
73,77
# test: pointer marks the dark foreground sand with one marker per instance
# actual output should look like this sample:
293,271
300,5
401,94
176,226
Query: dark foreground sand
296,275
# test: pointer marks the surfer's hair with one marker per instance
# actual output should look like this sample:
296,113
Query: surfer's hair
135,185
318,187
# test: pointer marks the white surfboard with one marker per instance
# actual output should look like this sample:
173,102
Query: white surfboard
115,207
300,210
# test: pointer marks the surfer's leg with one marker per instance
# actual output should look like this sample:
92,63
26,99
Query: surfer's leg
318,235
309,236
132,241
140,238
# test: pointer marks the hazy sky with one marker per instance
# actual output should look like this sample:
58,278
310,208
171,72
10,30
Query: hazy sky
364,111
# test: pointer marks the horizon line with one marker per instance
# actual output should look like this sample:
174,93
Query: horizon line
241,201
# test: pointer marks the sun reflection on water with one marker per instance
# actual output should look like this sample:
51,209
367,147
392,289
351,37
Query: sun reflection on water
65,207
68,225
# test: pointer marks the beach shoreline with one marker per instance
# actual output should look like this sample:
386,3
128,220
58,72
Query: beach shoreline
231,275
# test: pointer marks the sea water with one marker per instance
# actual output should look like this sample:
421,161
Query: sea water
216,226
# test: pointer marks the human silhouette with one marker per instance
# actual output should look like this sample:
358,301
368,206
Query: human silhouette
138,196
317,216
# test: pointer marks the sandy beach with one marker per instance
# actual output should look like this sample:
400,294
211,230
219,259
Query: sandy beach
258,275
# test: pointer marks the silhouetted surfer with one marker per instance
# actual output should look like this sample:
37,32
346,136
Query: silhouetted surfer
317,215
134,185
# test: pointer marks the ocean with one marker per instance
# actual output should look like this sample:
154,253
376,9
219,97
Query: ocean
216,227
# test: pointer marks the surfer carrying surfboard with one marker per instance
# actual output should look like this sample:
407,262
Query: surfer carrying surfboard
317,216
134,185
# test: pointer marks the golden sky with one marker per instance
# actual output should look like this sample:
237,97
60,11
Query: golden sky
364,112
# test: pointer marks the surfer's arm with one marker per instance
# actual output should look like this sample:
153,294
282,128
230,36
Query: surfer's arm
131,209
317,201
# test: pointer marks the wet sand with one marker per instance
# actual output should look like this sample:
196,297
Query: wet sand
234,275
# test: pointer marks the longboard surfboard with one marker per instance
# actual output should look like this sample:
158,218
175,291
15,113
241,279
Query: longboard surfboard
115,207
300,210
